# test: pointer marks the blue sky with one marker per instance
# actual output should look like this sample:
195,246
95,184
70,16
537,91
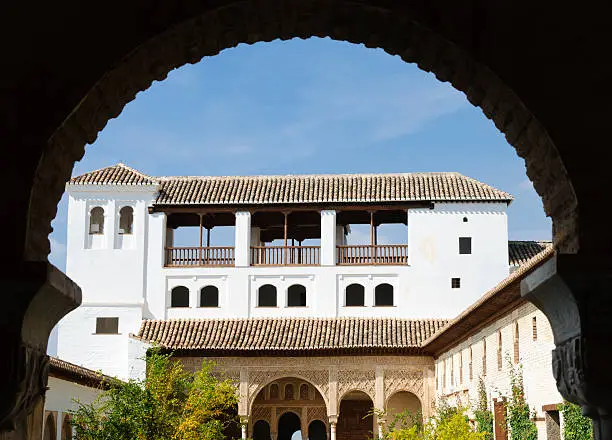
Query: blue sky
309,106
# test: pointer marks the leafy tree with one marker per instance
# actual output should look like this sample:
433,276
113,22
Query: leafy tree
575,425
484,417
170,403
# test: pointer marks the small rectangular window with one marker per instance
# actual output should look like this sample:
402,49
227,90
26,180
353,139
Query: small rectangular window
455,283
465,245
107,326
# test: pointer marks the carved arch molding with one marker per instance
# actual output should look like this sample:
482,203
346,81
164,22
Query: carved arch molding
205,32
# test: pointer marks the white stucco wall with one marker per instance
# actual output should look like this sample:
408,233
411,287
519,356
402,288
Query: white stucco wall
129,280
535,356
62,394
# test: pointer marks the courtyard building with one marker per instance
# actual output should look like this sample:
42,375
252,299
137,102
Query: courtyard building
322,297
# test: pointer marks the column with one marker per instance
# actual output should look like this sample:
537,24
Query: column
59,425
332,427
243,239
328,238
243,425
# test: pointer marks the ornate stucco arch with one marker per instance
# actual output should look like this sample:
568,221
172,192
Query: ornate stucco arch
258,380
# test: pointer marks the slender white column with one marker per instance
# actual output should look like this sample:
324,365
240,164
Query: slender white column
332,430
244,431
328,238
243,239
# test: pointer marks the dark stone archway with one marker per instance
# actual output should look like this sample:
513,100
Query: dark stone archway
261,430
536,69
317,430
288,424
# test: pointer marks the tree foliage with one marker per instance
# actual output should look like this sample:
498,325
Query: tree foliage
482,414
170,403
575,425
448,423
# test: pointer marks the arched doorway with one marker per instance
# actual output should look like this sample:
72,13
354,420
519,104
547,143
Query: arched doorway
408,405
287,406
288,425
355,420
261,430
317,430
50,431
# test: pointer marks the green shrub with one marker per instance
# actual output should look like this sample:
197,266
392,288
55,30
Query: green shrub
575,425
519,416
169,404
482,415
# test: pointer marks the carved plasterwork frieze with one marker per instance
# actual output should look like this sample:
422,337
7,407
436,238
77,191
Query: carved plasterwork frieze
261,413
360,380
285,409
404,380
317,413
260,378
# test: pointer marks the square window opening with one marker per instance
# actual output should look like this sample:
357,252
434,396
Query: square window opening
107,326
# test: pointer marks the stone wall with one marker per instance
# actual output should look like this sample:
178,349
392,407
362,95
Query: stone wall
453,379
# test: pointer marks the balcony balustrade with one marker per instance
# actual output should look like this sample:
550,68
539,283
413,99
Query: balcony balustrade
285,255
368,254
220,256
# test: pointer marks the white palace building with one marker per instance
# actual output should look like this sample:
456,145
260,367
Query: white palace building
314,328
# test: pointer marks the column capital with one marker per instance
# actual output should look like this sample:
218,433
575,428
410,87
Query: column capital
333,419
37,296
573,291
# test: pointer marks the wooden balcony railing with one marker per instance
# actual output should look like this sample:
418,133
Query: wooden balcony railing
199,256
285,255
368,254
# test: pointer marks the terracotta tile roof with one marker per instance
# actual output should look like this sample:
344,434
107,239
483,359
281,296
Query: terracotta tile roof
500,300
266,335
520,252
293,189
75,373
119,174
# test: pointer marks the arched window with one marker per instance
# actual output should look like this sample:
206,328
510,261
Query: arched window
461,367
209,296
274,391
126,220
179,297
355,295
470,366
49,428
484,357
383,295
516,342
66,429
96,221
296,296
289,392
266,296
303,392
500,362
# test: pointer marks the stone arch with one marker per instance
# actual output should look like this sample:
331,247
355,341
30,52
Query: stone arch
401,400
355,418
50,430
194,32
275,378
346,393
